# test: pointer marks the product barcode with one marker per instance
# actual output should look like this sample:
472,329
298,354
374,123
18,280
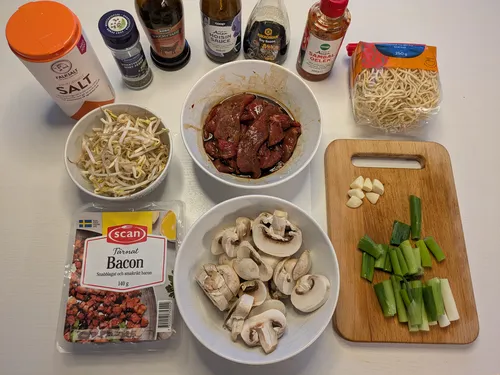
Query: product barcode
164,323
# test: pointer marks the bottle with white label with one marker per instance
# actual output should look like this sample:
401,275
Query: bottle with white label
221,22
325,30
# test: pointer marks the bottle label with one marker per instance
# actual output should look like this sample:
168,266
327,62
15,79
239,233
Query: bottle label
77,82
264,41
317,55
222,36
168,42
135,66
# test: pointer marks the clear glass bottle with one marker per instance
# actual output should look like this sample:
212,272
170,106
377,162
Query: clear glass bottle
326,27
267,34
221,22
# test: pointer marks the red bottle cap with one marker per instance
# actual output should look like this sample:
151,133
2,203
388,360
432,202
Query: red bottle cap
333,8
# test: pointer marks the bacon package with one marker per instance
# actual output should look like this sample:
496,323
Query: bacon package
118,285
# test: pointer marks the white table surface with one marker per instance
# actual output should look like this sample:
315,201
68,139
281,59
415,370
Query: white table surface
37,198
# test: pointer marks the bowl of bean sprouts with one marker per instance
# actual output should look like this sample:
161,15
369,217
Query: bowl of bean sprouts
118,152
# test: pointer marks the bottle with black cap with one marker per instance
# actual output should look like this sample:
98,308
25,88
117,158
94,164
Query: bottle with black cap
163,21
119,32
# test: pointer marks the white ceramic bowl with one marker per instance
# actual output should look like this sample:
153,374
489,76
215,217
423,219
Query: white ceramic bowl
73,148
259,77
205,320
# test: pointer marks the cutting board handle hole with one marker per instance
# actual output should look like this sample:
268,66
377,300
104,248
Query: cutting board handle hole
388,161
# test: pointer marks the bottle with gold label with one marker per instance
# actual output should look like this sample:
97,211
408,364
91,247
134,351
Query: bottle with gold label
221,21
163,21
267,34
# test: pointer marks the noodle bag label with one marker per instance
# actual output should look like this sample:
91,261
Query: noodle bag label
392,55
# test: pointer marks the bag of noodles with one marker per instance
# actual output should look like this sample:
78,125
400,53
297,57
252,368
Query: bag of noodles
394,87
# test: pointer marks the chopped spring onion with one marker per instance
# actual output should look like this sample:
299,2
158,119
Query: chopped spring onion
385,296
367,267
396,268
415,217
402,261
450,306
124,154
400,232
443,321
435,249
415,309
369,246
435,283
413,328
424,254
380,262
416,254
430,303
388,264
425,322
400,306
407,251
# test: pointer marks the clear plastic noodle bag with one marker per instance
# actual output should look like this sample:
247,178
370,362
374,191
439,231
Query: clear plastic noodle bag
394,87
118,292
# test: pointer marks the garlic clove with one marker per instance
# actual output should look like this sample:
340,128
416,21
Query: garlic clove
367,185
357,183
354,202
356,193
378,187
372,197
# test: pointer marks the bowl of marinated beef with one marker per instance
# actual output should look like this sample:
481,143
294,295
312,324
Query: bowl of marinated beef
251,124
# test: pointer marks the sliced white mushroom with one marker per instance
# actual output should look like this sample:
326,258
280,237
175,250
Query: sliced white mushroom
378,187
372,197
303,265
243,227
246,268
283,276
270,260
264,329
224,259
230,241
275,293
310,293
271,241
354,202
279,222
237,314
218,284
216,247
358,193
357,183
246,250
367,185
255,288
270,304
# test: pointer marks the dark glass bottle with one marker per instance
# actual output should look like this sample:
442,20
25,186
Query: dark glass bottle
221,22
163,21
267,34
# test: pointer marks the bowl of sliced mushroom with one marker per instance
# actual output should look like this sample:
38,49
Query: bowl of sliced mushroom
256,280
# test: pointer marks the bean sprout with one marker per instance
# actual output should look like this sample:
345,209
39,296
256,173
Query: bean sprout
124,155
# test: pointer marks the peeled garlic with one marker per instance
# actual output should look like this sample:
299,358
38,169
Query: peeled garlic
378,187
356,193
354,202
372,197
367,185
357,183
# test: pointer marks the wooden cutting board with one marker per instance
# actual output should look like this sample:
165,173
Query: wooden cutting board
358,316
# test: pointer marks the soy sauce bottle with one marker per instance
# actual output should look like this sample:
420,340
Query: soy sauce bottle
221,22
267,34
163,22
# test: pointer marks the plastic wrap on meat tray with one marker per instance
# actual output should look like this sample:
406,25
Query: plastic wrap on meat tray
118,283
394,87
